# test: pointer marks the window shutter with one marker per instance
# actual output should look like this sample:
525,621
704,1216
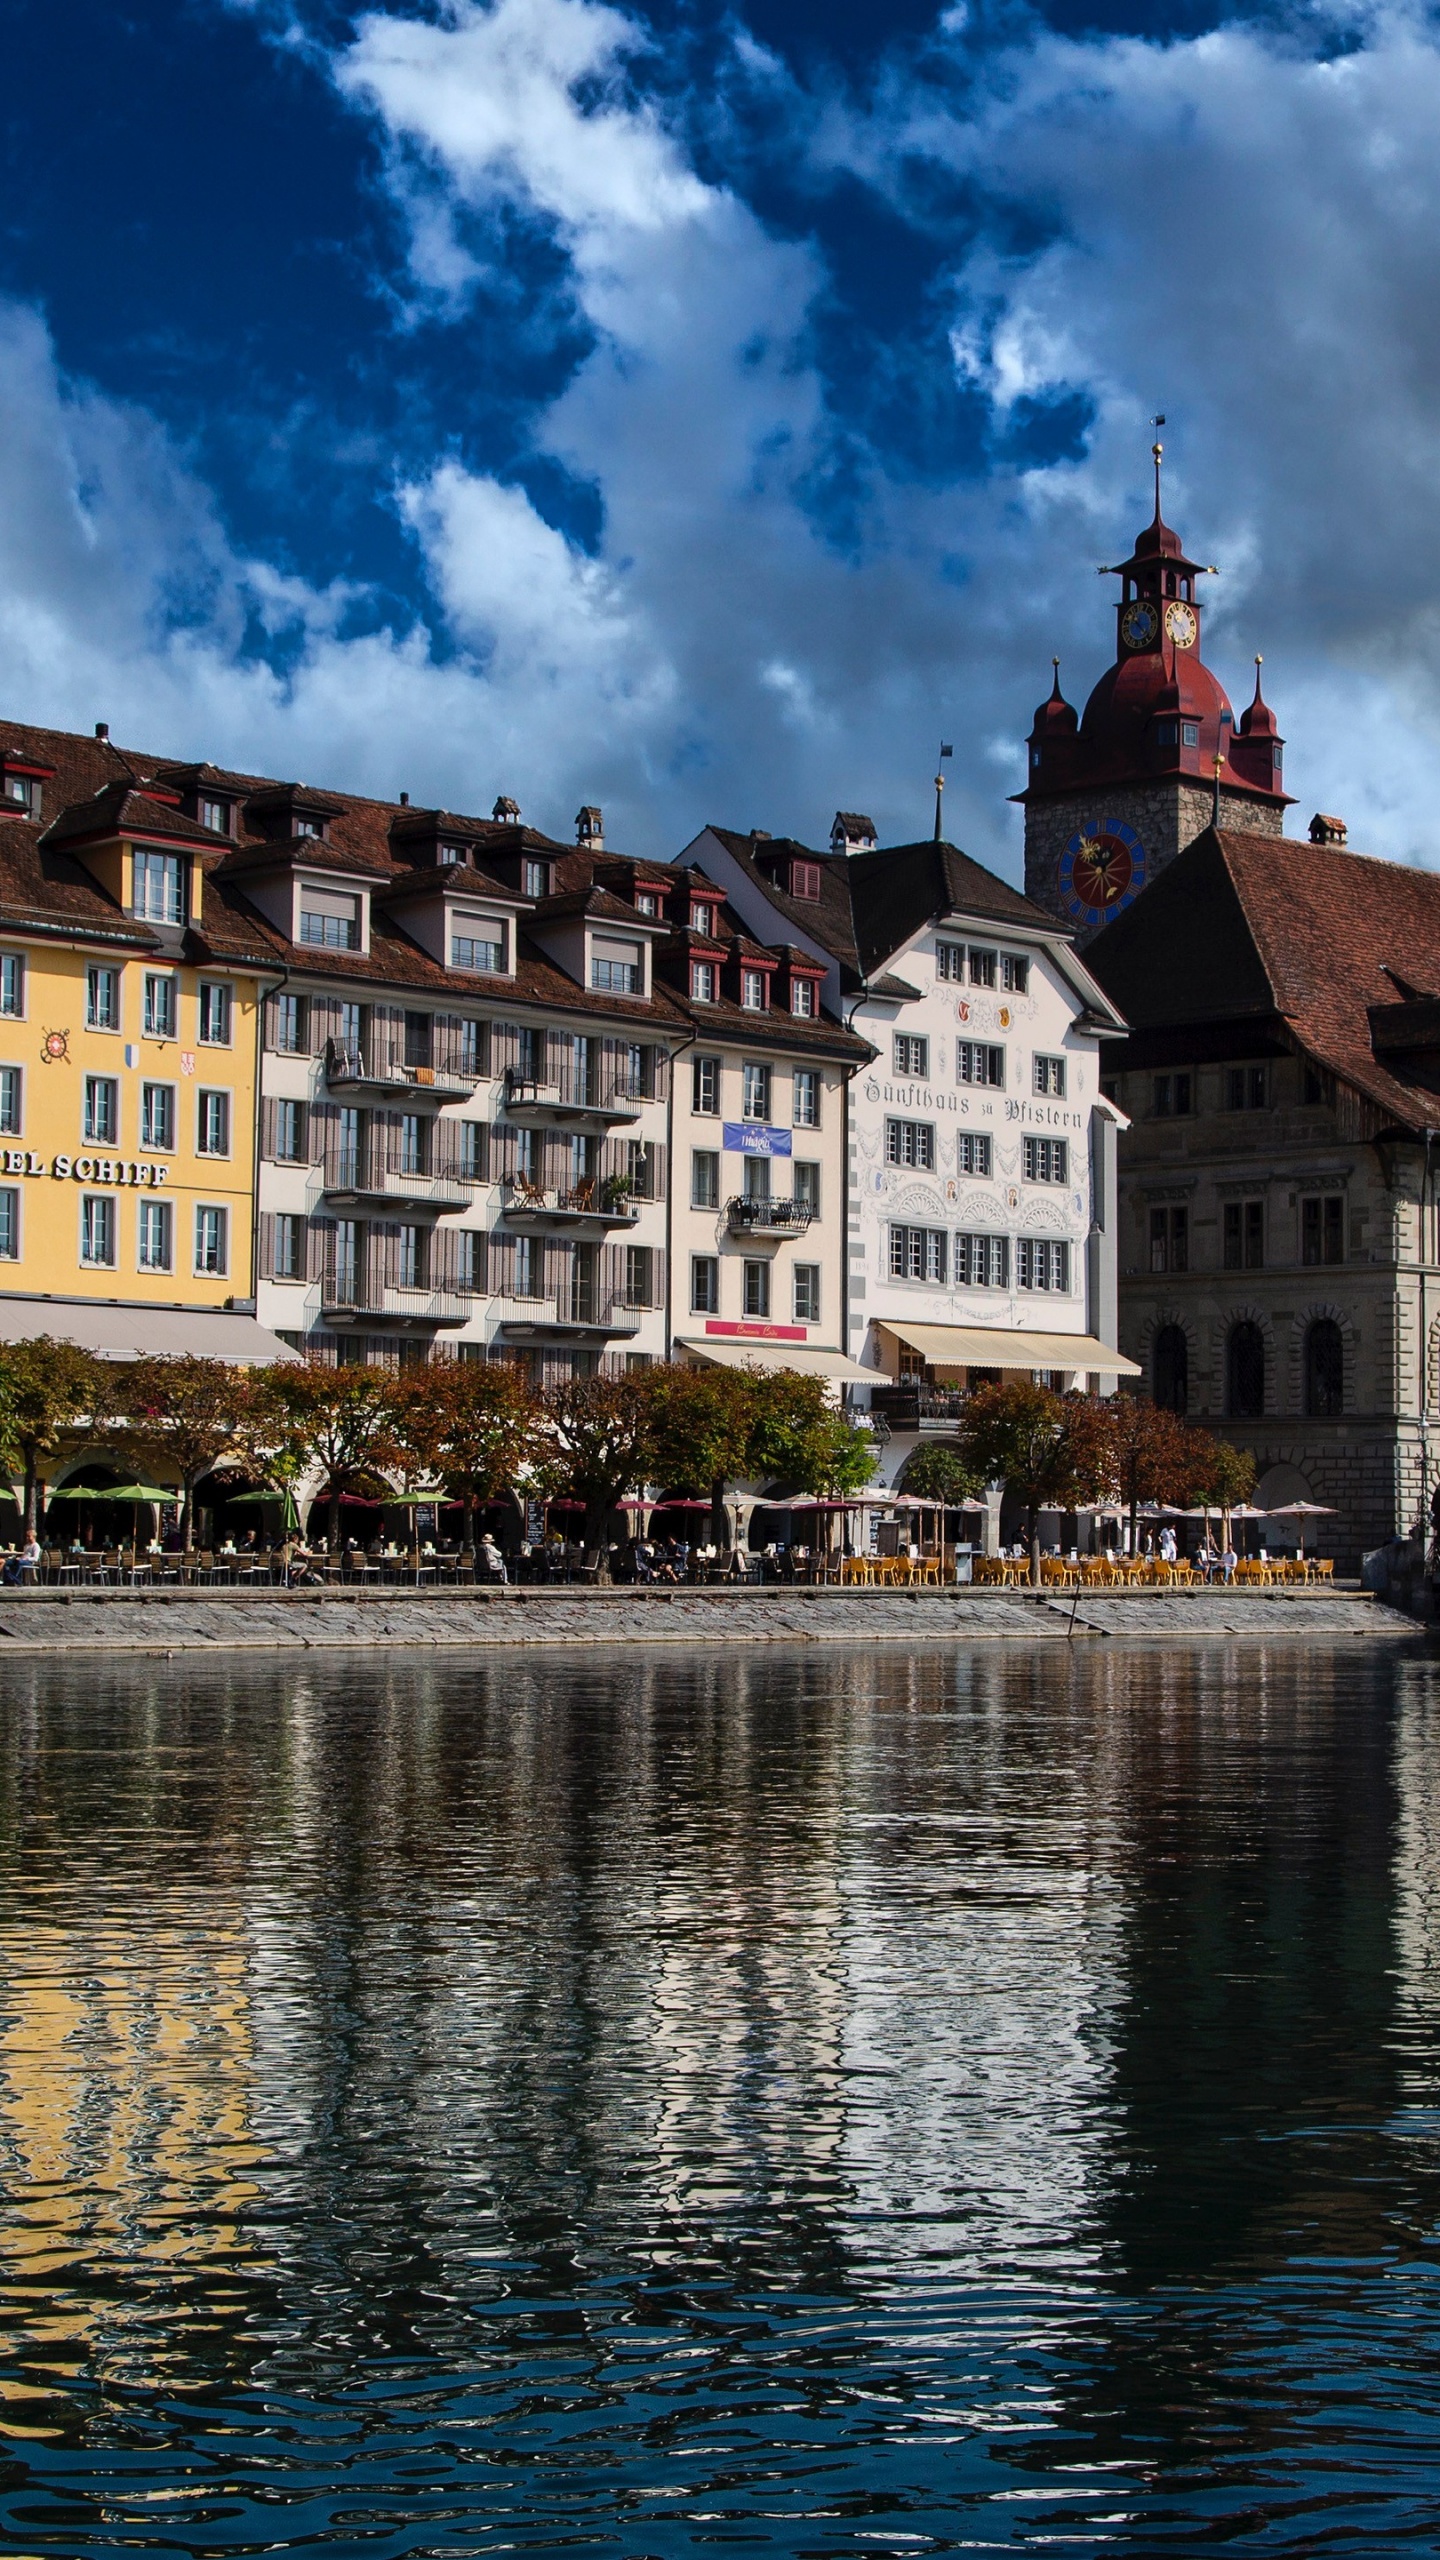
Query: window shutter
319,1253
267,1131
324,1013
267,1245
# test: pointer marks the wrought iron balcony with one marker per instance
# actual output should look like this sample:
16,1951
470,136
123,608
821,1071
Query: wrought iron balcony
367,1069
350,1297
588,1208
570,1102
912,1405
380,1176
576,1318
767,1220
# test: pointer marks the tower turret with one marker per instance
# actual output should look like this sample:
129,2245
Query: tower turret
1110,799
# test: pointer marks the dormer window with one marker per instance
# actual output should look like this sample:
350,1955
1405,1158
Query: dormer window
615,968
802,998
214,814
329,919
754,991
1189,733
309,827
535,878
449,853
702,981
478,942
646,902
804,879
159,893
23,791
702,917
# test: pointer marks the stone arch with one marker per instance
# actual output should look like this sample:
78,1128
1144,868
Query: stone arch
1282,1481
1168,1319
1321,1311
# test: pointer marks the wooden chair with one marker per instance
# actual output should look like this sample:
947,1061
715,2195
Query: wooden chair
583,1194
1323,1568
528,1194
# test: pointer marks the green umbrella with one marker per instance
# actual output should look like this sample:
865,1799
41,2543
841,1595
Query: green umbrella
253,1500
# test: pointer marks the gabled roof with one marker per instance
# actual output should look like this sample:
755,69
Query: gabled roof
1302,940
122,809
872,904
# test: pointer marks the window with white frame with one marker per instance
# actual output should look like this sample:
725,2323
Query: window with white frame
977,1063
286,1247
702,981
910,1142
155,1235
919,1253
756,1292
1041,1264
12,984
754,1091
982,1262
157,1115
972,1153
9,1226
215,1013
290,1023
806,1111
1048,1074
329,918
704,1179
482,951
702,916
536,878
291,1135
950,960
754,990
802,998
912,1055
160,1014
984,966
805,1185
101,1114
213,1130
12,1098
97,1230
615,968
807,1293
705,1087
212,1243
102,999
160,888
1047,1160
1014,972
215,814
704,1284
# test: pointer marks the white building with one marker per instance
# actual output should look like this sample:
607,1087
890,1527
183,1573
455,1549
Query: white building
981,1151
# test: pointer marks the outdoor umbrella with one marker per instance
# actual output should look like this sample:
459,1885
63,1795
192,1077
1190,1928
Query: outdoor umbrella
134,1494
291,1518
1301,1512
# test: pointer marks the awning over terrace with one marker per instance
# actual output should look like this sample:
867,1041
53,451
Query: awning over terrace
962,1346
809,1358
119,1332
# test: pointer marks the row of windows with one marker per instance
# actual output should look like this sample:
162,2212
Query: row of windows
956,961
160,1006
705,1166
757,1089
100,1113
1242,1234
155,1232
1245,1363
1175,1096
754,990
756,1289
930,1254
911,1143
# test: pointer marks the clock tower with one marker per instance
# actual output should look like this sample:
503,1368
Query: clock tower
1115,794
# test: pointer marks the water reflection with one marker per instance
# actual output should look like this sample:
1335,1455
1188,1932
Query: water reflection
885,2103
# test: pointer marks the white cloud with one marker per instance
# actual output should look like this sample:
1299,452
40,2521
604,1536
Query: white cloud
1240,234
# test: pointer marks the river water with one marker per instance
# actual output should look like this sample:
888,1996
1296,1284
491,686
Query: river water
879,2104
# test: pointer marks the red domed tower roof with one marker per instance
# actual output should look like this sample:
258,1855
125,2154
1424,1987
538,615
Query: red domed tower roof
1158,712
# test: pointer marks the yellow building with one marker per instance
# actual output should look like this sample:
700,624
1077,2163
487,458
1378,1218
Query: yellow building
130,993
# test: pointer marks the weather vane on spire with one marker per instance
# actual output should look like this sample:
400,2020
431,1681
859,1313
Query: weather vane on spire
1156,451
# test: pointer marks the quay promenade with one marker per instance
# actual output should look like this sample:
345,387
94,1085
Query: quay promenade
171,1620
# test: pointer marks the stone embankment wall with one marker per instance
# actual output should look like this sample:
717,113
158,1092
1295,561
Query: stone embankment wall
178,1621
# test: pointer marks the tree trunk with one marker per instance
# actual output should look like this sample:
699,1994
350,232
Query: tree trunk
32,1493
187,1510
468,1536
597,1512
332,1522
1035,1545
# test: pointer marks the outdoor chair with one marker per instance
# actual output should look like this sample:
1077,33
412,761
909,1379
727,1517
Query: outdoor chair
54,1564
528,1194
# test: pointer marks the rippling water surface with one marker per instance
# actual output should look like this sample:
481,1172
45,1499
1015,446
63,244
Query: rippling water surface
765,2102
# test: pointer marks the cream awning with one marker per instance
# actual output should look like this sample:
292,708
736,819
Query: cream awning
134,1333
962,1346
808,1357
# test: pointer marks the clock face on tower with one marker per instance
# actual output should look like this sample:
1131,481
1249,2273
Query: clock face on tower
1102,870
1138,625
1180,625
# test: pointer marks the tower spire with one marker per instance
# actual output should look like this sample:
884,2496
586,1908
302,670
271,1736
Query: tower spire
1157,455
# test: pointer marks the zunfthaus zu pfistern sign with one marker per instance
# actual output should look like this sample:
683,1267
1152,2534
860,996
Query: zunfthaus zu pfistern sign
86,1169
974,1104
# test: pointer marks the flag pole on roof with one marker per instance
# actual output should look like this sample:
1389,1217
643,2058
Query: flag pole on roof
940,789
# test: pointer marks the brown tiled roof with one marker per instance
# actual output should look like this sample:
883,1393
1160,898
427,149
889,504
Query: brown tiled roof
871,904
122,809
1261,933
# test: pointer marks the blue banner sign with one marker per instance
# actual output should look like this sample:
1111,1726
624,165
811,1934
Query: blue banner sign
752,1138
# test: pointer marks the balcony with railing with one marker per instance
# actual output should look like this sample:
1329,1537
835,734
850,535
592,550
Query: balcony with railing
571,1101
767,1221
912,1404
587,1208
576,1315
364,1176
370,1068
351,1294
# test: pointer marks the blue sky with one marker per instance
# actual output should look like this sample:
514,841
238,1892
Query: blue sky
702,410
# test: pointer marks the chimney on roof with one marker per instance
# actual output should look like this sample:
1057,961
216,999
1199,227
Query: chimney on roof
506,811
590,828
852,832
1324,830
404,799
760,835
102,731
